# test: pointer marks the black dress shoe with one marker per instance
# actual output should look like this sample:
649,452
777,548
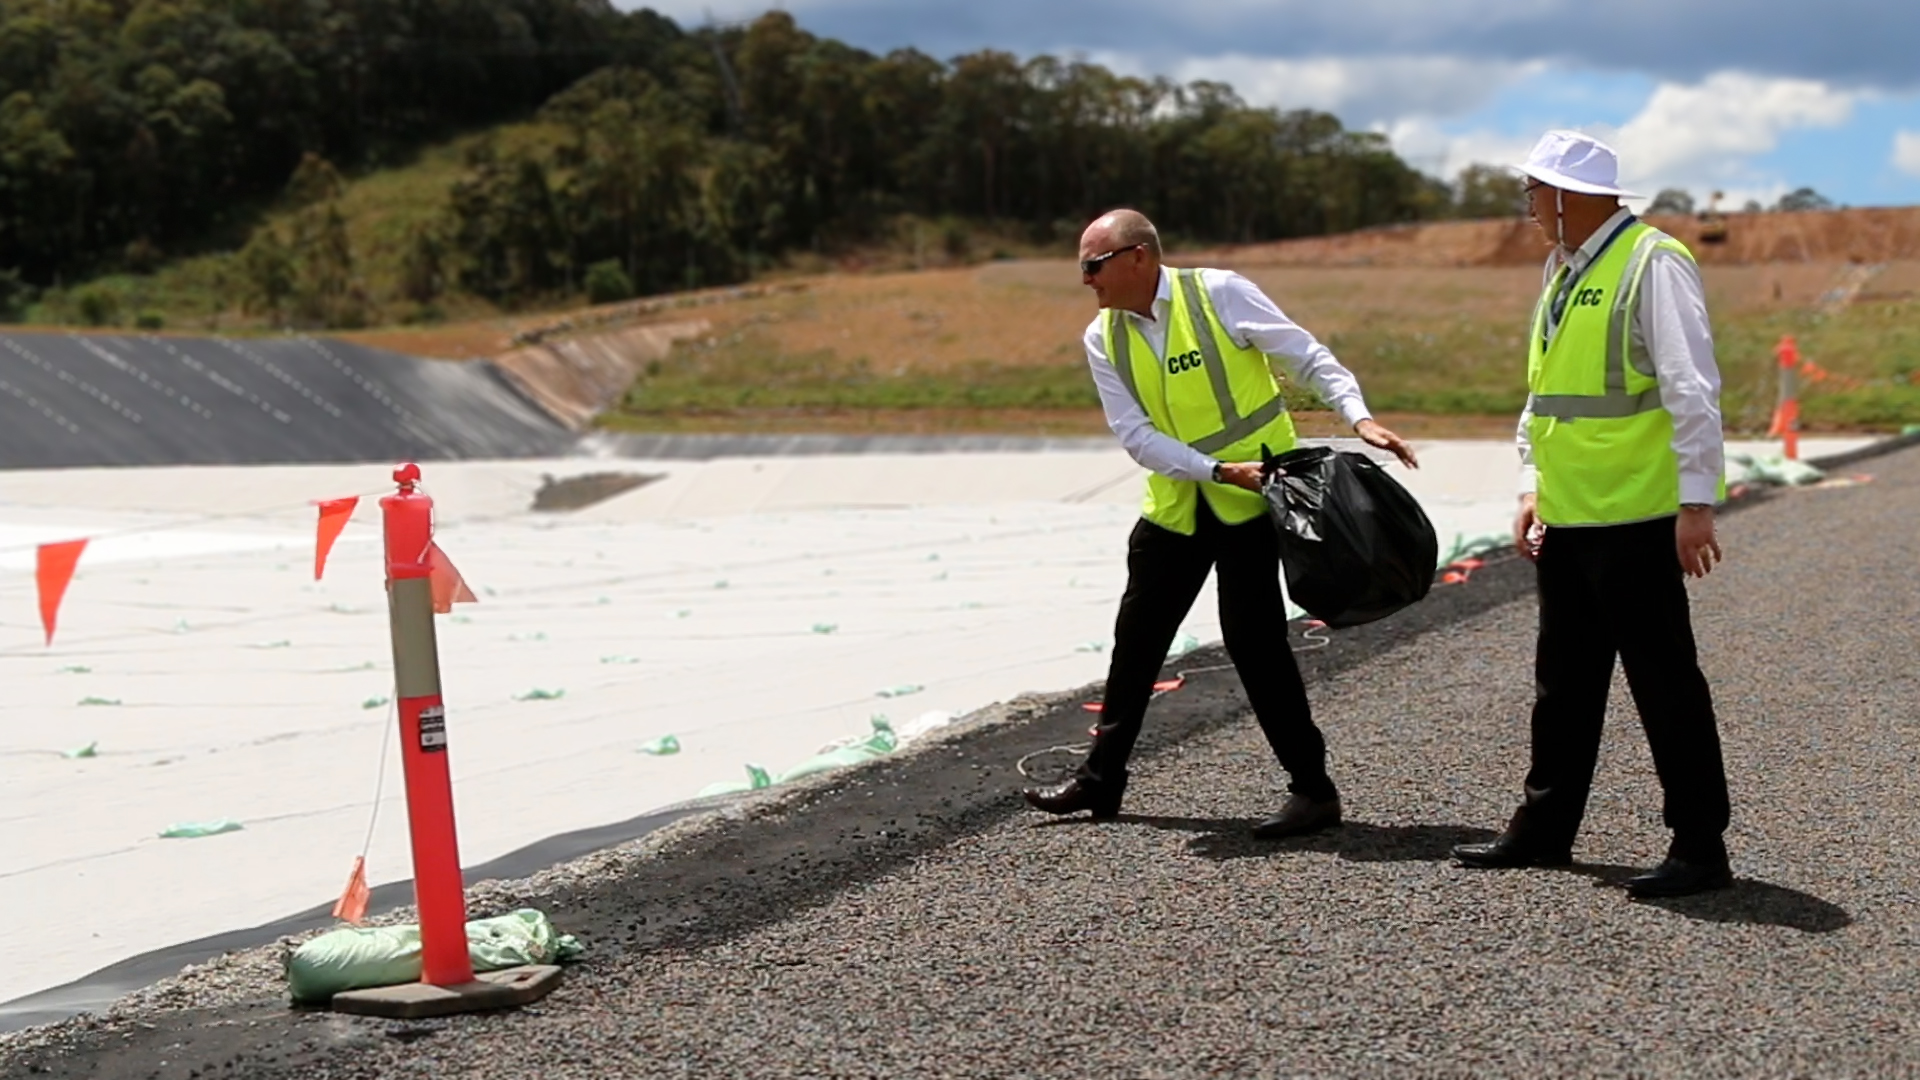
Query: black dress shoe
1678,877
1075,795
1298,817
1509,851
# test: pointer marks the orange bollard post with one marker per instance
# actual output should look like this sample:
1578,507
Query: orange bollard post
447,982
437,886
1786,415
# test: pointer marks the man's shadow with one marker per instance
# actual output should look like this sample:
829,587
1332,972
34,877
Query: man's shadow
1225,839
1748,901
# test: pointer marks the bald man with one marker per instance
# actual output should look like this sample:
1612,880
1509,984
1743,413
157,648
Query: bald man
1182,362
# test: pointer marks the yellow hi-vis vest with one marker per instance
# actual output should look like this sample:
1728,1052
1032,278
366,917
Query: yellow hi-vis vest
1602,441
1214,395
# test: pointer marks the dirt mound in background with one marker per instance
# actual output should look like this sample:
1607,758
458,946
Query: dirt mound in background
1858,236
1452,243
1820,236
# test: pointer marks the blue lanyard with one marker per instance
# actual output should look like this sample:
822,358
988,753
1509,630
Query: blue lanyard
1602,249
1555,308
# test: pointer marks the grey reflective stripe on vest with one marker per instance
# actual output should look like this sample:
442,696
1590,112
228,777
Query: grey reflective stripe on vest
1234,426
1591,407
1616,403
1243,427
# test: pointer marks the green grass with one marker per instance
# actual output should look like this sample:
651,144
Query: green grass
1466,366
1876,342
1461,366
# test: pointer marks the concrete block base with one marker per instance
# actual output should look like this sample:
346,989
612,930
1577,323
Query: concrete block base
489,990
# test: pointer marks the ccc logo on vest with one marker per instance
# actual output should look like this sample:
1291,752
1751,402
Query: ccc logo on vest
1589,297
1186,361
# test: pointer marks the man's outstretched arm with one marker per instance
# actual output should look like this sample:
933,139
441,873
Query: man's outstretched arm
1254,320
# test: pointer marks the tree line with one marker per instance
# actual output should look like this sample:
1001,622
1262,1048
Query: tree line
1680,201
135,130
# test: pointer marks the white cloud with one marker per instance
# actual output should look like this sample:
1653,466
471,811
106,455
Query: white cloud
1706,134
1430,149
1700,138
1906,152
1362,91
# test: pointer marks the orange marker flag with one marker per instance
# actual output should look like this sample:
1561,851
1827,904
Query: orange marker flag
333,518
449,588
352,905
54,570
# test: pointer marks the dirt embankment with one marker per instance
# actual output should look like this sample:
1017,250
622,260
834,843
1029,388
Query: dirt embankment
576,364
1826,236
576,379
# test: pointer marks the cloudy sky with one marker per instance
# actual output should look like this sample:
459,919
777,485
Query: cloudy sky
1750,97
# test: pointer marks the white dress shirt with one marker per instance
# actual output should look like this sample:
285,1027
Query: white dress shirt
1670,319
1252,321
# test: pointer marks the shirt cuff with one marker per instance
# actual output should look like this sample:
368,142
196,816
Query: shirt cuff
1353,411
1699,488
1529,480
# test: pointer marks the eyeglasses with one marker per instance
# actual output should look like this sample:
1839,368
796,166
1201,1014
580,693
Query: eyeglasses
1092,266
1533,187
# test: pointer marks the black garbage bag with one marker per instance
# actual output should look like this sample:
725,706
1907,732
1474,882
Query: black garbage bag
1354,544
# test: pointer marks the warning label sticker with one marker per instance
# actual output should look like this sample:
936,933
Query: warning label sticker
433,728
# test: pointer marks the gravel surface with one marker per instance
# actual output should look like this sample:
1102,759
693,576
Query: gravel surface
910,920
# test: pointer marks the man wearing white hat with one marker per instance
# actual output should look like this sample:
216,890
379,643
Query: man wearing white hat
1621,465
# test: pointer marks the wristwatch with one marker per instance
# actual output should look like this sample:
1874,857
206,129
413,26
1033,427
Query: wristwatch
1216,472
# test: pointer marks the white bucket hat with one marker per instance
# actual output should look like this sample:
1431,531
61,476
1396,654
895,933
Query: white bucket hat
1571,161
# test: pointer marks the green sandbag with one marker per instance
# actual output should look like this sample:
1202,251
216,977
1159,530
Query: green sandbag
525,936
1468,547
757,778
1774,469
832,759
357,957
882,741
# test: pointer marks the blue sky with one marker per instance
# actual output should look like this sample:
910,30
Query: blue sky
1749,97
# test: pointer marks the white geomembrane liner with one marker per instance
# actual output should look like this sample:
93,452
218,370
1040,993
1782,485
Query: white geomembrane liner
690,607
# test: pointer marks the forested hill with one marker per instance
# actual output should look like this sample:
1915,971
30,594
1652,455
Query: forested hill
134,132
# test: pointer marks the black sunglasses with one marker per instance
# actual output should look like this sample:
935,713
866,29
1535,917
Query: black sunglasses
1092,266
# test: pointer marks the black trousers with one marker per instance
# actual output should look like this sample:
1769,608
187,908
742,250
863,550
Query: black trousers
1609,591
1164,574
